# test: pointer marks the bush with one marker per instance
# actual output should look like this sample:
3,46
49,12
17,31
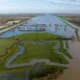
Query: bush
76,32
65,51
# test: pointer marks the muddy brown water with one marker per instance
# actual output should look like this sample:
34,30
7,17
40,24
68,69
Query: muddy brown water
73,73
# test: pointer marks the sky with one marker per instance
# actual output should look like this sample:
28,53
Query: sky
39,6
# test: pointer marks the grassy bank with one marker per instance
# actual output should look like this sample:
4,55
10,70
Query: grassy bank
34,51
63,17
37,36
5,44
40,51
6,70
76,29
46,71
2,64
67,45
65,51
28,56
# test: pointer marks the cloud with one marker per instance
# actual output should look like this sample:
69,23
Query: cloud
65,1
39,6
25,6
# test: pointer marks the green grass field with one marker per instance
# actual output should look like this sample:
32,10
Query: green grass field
48,69
16,49
40,51
32,51
4,44
64,17
65,51
67,45
38,36
2,64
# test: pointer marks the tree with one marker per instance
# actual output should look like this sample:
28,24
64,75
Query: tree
72,37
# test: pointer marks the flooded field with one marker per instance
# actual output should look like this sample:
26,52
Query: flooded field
73,73
52,24
47,24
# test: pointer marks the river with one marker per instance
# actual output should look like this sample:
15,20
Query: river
40,20
73,73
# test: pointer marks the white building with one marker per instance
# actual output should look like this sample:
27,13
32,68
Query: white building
12,22
2,26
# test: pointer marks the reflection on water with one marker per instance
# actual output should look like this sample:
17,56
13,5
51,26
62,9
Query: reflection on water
73,73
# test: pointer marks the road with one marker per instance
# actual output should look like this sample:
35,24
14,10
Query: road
71,24
9,28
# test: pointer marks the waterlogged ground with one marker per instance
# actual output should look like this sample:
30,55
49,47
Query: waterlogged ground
47,19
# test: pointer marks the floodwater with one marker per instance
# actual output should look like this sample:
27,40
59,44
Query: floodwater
45,19
73,73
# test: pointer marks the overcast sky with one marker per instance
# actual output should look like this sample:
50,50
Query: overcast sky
39,6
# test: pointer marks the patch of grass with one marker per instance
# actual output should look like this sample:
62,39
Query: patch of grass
20,75
65,51
59,58
62,59
70,20
58,68
37,36
76,29
39,51
64,17
76,32
66,43
68,24
2,51
4,44
35,51
6,70
48,70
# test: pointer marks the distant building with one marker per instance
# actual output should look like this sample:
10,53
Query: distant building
2,26
12,22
